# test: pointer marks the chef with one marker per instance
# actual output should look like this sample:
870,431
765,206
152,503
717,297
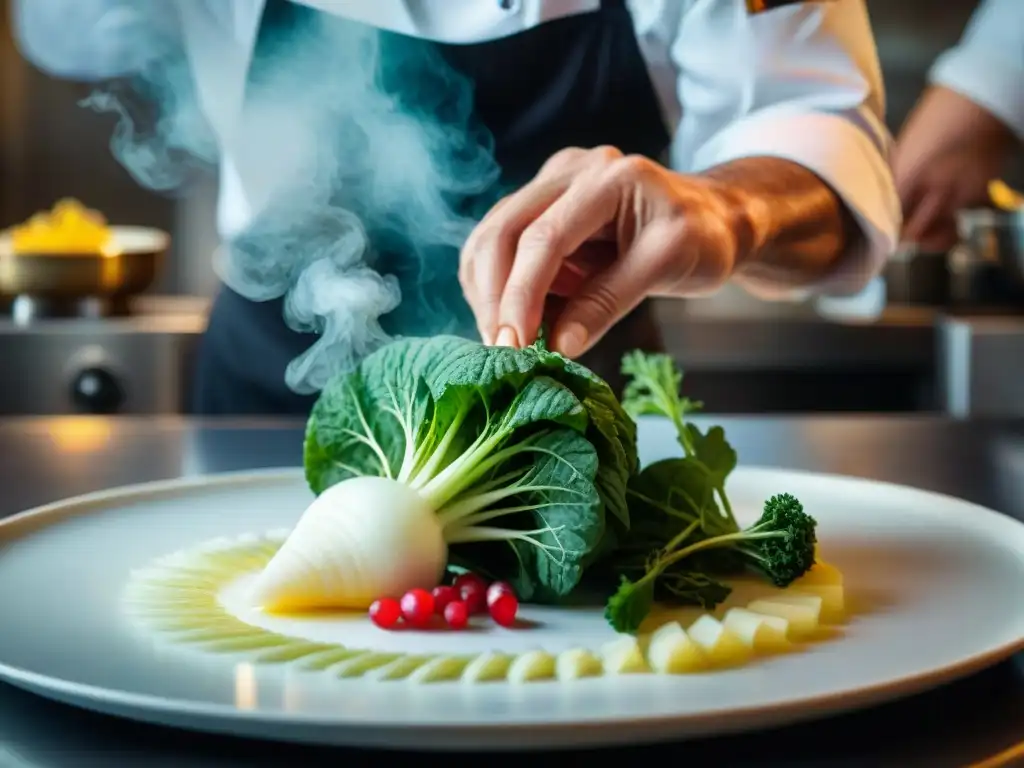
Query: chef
657,148
965,127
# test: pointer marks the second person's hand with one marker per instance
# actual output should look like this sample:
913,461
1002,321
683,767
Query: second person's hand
604,231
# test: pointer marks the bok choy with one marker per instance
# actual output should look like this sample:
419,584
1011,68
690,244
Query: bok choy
441,450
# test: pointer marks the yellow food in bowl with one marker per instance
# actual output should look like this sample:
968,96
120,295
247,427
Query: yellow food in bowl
69,228
1003,197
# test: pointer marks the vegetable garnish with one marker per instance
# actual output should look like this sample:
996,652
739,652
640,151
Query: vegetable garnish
503,609
386,612
456,614
519,468
442,442
443,595
417,607
780,545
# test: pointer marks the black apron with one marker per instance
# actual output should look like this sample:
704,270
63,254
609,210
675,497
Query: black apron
579,81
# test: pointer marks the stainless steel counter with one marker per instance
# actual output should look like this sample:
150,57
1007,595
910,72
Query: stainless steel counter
42,460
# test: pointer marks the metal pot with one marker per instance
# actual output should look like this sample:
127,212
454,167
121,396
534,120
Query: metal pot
125,268
987,266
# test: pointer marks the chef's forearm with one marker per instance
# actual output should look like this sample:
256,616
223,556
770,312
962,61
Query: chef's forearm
792,228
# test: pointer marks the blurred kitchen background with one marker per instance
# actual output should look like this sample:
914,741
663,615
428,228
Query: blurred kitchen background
926,351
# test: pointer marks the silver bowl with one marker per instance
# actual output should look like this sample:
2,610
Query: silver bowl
993,237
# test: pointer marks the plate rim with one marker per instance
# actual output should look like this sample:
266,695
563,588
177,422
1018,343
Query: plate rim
77,504
217,718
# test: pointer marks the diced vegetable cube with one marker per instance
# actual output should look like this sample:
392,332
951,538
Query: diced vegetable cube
440,669
532,665
672,652
758,631
487,667
576,663
623,657
401,668
821,573
803,618
720,645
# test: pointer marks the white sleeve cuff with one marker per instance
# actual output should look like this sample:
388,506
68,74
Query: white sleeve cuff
843,155
986,77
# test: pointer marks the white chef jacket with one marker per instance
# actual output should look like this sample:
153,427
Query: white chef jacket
987,65
800,82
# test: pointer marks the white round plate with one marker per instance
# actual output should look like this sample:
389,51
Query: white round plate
938,582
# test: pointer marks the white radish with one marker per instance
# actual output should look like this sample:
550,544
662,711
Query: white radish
361,539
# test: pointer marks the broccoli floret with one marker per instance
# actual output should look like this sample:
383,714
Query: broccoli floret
781,543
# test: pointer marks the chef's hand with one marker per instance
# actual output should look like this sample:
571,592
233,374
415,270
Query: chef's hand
946,154
603,231
934,189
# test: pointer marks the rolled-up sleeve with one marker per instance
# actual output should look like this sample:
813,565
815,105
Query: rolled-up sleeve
93,40
801,82
987,65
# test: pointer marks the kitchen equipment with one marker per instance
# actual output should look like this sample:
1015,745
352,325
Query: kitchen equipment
917,562
135,360
987,265
49,284
916,277
980,366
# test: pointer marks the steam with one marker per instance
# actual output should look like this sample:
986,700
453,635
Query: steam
357,153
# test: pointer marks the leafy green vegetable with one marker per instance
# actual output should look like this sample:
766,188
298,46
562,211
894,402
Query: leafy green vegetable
780,545
530,463
631,603
654,389
490,437
683,536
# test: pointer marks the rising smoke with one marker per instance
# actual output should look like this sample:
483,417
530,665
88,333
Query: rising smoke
356,150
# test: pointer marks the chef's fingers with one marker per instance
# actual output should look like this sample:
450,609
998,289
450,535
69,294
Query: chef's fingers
557,171
923,215
940,237
591,257
613,293
487,256
581,213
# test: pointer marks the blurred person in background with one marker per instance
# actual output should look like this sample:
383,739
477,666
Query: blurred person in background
965,128
771,112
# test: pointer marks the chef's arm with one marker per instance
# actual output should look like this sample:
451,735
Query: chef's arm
788,105
985,70
797,227
91,40
975,97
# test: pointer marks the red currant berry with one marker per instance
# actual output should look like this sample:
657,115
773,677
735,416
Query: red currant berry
474,597
417,607
443,596
385,613
497,589
456,614
504,609
468,579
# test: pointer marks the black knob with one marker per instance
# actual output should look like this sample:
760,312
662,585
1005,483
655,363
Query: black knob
97,390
